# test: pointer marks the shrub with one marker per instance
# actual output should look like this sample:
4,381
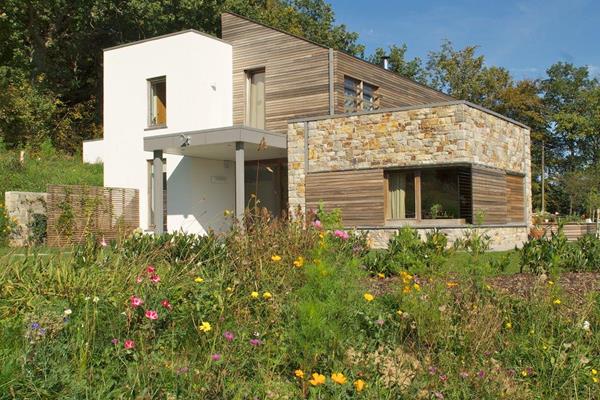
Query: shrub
38,229
7,226
474,241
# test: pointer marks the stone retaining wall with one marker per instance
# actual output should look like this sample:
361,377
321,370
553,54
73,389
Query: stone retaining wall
21,207
502,237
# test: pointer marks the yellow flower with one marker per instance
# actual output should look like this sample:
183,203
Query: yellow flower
227,213
451,284
594,372
417,287
381,276
508,325
228,289
276,258
317,379
299,262
359,385
254,295
267,295
399,312
406,289
524,373
198,280
299,373
205,327
556,301
338,378
594,379
369,297
550,283
321,235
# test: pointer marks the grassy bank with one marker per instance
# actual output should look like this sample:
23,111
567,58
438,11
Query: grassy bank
280,312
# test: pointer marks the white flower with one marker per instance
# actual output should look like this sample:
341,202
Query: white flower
96,299
586,325
68,311
87,298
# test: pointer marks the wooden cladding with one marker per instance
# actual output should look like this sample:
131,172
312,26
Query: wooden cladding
393,90
77,211
515,198
489,195
358,194
297,82
296,72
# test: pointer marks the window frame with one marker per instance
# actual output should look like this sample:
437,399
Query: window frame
151,110
359,96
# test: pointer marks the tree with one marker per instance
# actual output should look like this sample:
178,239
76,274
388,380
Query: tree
412,69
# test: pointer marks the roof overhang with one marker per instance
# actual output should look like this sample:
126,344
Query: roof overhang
219,143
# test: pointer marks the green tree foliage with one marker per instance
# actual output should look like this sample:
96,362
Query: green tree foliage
51,53
412,69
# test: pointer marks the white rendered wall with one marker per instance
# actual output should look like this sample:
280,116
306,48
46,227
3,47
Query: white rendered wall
199,96
93,151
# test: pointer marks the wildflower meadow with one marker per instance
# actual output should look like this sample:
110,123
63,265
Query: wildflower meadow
293,310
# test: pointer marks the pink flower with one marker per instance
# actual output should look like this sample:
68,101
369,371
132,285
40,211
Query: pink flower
150,269
165,303
151,314
139,279
129,344
115,341
317,224
380,322
255,342
229,336
136,301
464,374
341,234
215,357
154,278
103,242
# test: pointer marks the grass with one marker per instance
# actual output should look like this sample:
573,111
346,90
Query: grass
273,311
42,167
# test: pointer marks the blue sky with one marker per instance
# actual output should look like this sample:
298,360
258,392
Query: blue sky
524,36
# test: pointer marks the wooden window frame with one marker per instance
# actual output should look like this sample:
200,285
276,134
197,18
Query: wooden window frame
150,117
359,100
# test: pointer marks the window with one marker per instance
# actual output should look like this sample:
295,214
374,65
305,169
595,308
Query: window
255,117
359,96
429,193
157,116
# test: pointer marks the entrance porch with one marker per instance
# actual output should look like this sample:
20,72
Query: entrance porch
260,168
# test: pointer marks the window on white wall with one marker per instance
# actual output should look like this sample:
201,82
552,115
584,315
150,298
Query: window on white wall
151,205
157,99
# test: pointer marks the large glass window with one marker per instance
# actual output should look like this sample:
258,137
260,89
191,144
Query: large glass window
256,99
158,102
429,193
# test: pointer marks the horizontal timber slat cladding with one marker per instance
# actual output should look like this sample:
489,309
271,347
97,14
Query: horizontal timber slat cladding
489,195
296,72
76,211
358,194
393,89
515,198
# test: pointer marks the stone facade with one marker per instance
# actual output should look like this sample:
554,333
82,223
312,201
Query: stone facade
447,133
502,237
21,207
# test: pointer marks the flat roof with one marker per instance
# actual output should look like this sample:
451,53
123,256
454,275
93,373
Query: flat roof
166,36
414,107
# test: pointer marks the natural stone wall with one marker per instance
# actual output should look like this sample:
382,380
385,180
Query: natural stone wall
502,237
21,206
443,134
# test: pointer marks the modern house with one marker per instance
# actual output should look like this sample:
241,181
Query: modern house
200,125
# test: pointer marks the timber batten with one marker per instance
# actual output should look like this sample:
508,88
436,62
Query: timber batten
358,194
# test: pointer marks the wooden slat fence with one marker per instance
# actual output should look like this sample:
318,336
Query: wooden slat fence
76,211
571,231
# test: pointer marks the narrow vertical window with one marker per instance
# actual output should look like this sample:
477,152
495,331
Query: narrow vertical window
256,99
401,195
369,97
157,102
151,205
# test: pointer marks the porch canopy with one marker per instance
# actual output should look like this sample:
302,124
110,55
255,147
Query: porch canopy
234,143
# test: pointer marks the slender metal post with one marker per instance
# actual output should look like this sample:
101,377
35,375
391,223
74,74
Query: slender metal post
543,179
240,196
157,195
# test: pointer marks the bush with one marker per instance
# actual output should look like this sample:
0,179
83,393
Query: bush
6,226
474,241
38,229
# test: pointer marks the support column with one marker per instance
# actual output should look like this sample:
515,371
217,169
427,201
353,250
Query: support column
240,195
157,193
